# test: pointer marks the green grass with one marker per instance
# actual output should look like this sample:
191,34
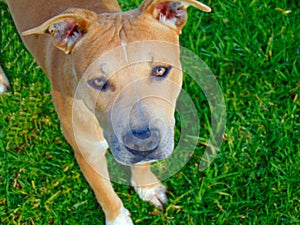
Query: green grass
253,48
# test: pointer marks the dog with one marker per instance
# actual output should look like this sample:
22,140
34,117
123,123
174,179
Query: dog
115,77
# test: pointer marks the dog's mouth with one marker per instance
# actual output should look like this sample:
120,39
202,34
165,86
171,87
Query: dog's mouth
143,154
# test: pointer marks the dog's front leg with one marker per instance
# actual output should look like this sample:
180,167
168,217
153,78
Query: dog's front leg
111,204
147,185
83,132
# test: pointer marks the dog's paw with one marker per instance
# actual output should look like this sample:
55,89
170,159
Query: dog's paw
122,219
156,195
4,84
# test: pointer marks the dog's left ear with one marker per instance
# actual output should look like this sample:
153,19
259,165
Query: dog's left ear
66,29
171,13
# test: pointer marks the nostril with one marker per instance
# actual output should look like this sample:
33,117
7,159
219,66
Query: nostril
142,141
142,134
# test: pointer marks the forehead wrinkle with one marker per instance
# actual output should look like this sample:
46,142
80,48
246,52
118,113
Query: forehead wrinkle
123,37
124,48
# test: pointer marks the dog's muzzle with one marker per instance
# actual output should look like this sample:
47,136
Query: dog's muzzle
134,146
142,142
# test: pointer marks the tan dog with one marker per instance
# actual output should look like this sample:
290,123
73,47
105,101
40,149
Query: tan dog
120,70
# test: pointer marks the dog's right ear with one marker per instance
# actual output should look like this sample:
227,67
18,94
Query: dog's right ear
171,13
66,29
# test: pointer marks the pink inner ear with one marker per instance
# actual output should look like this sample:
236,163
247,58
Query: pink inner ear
65,34
171,13
62,30
163,6
171,9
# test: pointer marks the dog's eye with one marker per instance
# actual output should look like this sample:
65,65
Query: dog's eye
161,71
100,84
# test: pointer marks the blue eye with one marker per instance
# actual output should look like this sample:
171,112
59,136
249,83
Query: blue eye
161,71
100,83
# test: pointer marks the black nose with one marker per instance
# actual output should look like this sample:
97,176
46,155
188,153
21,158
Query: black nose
142,142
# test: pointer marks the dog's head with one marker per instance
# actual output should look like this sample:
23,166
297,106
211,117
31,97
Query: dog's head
128,71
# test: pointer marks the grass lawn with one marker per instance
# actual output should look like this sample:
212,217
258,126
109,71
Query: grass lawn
253,48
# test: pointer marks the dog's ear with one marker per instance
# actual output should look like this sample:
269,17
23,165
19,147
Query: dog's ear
171,13
67,28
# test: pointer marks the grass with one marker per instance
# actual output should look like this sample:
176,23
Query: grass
253,48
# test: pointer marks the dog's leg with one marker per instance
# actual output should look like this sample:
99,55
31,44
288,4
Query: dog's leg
147,185
83,132
111,204
4,84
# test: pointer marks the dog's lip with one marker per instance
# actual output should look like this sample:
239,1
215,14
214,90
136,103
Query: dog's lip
134,151
146,161
140,159
136,162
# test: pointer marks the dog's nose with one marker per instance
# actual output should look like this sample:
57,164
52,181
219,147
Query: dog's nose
142,142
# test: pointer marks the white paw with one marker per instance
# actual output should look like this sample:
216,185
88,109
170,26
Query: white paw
2,89
4,84
122,219
156,195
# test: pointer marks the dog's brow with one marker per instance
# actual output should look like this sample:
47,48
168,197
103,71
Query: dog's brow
102,65
152,59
